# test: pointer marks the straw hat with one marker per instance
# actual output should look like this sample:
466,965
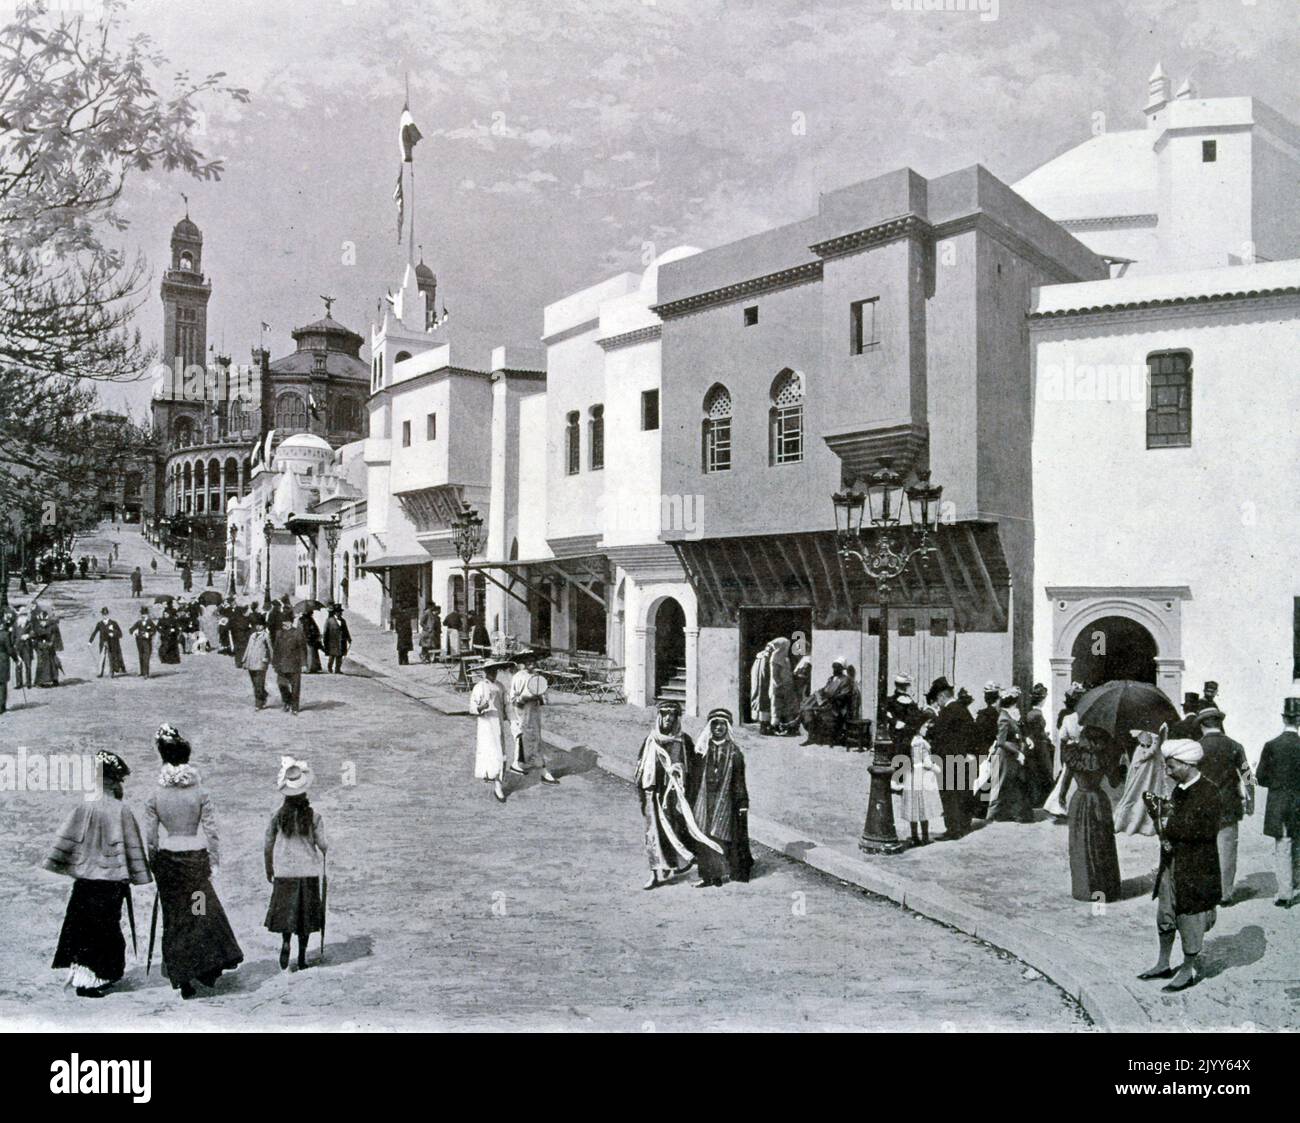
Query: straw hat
295,776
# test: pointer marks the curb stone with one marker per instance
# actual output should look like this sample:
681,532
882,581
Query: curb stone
1107,1002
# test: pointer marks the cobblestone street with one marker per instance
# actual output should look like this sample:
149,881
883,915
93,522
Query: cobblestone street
445,909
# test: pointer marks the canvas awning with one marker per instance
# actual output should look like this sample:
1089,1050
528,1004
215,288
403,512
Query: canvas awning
582,572
397,561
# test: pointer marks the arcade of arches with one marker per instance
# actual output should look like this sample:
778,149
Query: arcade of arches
201,485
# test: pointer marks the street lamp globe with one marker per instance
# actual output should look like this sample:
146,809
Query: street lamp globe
467,534
923,500
885,495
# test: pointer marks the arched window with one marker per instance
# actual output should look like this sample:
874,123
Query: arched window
716,445
187,261
785,425
401,356
572,444
596,438
347,415
290,412
183,432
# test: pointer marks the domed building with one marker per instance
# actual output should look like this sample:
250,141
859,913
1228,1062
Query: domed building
212,417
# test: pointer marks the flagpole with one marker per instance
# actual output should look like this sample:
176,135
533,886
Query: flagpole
410,244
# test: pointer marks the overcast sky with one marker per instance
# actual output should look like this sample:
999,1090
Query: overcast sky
563,137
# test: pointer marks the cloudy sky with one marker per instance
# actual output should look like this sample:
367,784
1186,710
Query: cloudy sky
564,139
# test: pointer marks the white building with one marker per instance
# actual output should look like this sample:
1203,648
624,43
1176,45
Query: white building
430,453
1166,460
1208,182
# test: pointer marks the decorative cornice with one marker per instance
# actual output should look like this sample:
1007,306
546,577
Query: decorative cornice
571,331
628,338
1109,222
783,278
1175,304
904,226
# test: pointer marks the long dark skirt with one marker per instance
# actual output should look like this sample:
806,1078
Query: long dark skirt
197,941
1094,861
295,906
736,860
91,936
169,650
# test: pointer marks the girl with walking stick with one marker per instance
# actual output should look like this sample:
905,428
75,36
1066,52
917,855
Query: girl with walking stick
294,853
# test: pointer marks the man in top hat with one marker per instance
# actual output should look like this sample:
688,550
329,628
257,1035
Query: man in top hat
1188,882
21,634
6,656
526,719
950,741
1226,767
337,639
109,633
144,630
1279,772
1187,727
720,804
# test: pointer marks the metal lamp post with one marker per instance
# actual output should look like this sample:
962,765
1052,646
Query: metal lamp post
467,535
230,560
333,530
884,550
268,529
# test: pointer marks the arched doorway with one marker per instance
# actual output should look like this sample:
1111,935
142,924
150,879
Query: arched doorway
670,647
1113,647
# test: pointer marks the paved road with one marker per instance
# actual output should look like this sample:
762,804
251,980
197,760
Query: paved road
447,910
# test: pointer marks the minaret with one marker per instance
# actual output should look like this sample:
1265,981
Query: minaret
1158,87
185,292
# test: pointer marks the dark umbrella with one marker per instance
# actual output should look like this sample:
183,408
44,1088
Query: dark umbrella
306,606
210,596
163,599
1122,705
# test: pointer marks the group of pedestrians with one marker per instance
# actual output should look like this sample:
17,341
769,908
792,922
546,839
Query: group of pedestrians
30,641
103,849
508,729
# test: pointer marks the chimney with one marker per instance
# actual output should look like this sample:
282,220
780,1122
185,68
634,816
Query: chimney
1157,93
1186,91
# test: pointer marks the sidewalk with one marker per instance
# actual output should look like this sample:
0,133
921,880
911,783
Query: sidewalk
1007,884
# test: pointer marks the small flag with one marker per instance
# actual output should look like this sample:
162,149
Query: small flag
408,135
266,326
257,453
312,406
400,199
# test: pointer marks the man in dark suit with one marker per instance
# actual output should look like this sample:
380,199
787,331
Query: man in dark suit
288,655
1226,767
1187,727
1279,771
6,654
144,630
950,741
1188,882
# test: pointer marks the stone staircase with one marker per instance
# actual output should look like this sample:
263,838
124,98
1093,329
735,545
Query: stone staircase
674,690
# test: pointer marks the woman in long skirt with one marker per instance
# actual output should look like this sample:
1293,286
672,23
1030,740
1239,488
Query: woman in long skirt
294,853
100,848
1009,799
169,636
198,943
488,702
1094,861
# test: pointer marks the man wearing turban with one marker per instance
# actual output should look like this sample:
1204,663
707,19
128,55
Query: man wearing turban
1188,883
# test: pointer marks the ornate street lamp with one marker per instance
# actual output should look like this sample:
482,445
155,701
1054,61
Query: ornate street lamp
467,536
333,531
230,561
883,551
268,529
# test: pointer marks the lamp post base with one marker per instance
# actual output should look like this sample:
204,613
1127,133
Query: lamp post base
879,835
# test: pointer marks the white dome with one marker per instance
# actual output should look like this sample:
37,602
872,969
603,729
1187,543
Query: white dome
305,442
650,278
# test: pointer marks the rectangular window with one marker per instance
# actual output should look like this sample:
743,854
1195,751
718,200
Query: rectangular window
1169,399
431,427
751,315
1209,151
717,445
406,434
865,324
572,445
787,434
649,409
597,438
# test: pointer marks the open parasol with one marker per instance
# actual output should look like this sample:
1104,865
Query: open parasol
164,598
1122,705
210,596
306,606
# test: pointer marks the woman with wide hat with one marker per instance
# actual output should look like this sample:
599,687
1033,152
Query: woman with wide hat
487,701
198,943
100,848
294,853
